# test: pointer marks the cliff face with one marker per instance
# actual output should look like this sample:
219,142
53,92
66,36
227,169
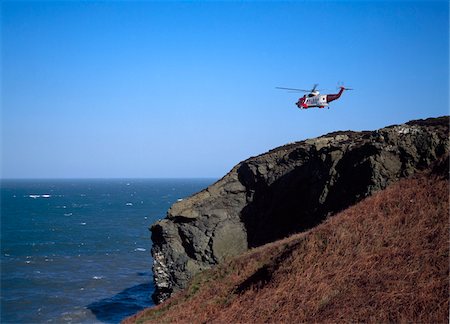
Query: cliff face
286,190
382,260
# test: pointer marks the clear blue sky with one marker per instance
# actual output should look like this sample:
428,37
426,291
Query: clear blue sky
186,89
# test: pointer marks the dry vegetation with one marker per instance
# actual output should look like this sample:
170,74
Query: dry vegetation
382,260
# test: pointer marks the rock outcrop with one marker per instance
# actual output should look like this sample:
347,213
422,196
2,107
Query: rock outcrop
289,189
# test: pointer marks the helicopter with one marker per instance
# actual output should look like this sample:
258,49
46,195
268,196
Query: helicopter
314,99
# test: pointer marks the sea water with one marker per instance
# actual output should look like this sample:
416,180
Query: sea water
78,251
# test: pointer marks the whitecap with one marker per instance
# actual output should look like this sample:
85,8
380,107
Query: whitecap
140,249
34,196
97,277
180,199
83,223
129,204
68,214
46,196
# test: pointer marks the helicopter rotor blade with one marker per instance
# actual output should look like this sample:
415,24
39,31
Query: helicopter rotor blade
292,89
314,88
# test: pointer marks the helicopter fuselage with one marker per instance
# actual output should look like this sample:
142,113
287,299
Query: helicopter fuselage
319,101
314,99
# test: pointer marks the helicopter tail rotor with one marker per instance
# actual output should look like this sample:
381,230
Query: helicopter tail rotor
340,85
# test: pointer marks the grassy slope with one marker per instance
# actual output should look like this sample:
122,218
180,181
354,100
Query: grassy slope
384,259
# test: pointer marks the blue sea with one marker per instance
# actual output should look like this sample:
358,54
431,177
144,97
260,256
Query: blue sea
78,251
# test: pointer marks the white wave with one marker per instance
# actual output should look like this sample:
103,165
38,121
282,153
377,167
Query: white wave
129,204
180,199
97,277
34,196
83,223
68,214
140,249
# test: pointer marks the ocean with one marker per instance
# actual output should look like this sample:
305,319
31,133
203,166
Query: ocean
78,251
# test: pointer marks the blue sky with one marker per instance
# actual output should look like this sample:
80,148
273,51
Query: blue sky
187,89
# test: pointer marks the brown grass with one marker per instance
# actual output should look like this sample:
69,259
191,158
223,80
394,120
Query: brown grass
382,260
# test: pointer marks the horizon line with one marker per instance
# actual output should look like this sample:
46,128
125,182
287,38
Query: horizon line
107,178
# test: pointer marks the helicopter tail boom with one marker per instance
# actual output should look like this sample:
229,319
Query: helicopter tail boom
332,97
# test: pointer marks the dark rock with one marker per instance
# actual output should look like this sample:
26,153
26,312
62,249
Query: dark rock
286,190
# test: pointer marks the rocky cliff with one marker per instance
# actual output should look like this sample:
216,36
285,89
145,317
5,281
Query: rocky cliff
289,189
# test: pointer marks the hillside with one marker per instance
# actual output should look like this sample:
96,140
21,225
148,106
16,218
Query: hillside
383,260
287,190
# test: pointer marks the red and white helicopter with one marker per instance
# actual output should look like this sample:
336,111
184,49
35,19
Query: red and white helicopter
314,98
